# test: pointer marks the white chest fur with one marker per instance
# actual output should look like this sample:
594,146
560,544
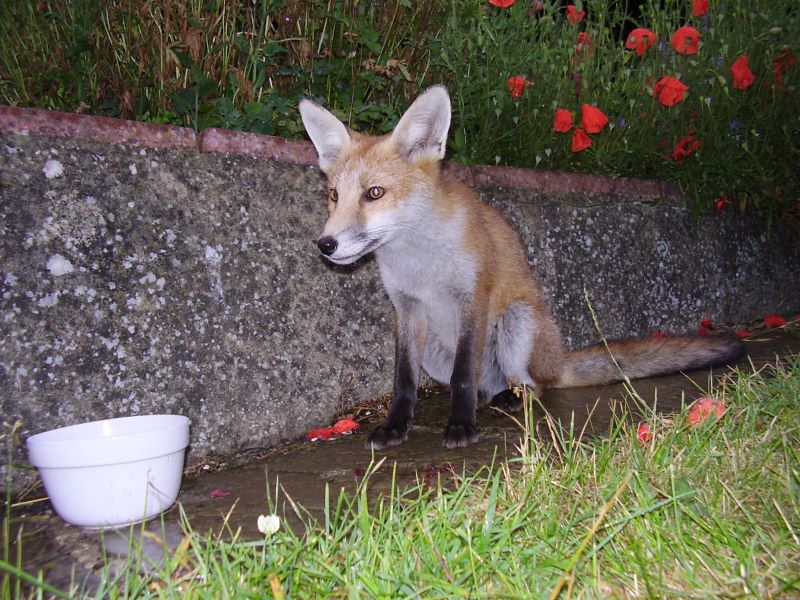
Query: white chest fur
428,263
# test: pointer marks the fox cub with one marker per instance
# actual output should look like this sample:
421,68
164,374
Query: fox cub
467,309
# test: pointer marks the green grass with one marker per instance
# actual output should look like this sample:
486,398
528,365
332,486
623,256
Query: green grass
708,511
244,65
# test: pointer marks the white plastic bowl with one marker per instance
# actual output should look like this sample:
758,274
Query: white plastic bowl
115,472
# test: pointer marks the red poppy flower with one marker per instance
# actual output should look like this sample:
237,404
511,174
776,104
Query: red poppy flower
562,122
699,7
502,3
783,61
743,77
575,16
773,321
585,45
704,408
670,91
640,39
685,40
685,147
643,432
580,141
516,85
592,119
721,202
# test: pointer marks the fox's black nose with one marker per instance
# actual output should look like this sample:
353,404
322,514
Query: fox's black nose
327,245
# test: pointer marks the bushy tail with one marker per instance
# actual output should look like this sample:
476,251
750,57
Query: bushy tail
646,358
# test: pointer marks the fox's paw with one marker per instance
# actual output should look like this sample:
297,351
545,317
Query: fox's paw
506,401
459,435
386,436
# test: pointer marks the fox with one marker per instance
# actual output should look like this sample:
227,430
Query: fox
468,308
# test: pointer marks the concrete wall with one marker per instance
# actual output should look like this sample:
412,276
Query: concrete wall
146,269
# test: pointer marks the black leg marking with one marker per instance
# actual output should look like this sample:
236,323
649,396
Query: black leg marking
395,430
461,430
401,413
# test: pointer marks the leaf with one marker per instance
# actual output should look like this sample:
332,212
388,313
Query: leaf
185,60
273,49
253,109
370,39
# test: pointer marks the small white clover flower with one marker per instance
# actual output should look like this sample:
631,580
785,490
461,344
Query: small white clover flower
268,524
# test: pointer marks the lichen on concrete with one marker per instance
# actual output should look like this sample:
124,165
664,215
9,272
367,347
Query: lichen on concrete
649,266
195,288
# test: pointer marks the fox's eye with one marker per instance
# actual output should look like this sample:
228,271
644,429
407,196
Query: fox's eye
333,195
375,192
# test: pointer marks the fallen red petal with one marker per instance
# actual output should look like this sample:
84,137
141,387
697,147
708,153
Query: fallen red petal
345,425
705,327
322,433
218,493
706,407
643,432
744,333
773,321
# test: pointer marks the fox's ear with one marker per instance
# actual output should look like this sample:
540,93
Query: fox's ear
328,133
422,130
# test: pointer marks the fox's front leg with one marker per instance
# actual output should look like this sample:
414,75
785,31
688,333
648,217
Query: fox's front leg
409,345
461,429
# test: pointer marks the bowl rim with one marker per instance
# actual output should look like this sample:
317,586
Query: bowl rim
83,445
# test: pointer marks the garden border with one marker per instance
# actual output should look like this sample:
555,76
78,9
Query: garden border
17,120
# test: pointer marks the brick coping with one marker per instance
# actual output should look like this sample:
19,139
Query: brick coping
16,120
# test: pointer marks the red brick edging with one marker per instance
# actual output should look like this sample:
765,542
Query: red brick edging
35,121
